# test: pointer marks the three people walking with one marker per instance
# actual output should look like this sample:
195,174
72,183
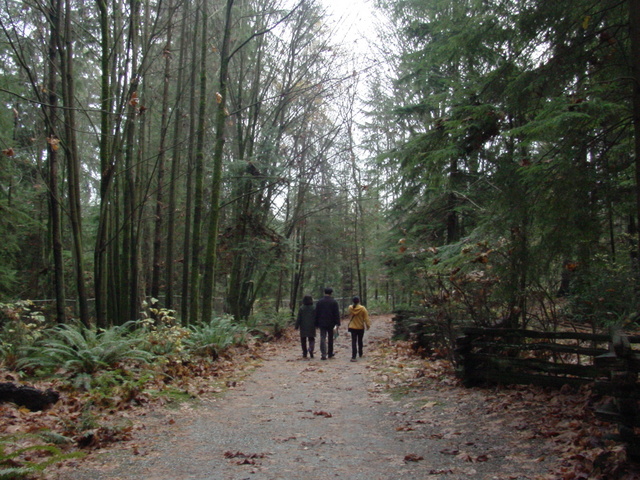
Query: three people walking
326,316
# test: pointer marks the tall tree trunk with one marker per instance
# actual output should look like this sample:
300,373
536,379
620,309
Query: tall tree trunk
453,227
51,116
216,186
129,286
187,268
194,309
175,166
107,168
164,122
297,282
634,35
73,166
358,223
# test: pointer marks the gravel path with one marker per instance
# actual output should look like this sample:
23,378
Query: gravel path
295,418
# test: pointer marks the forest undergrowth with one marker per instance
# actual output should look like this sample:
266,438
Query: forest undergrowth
114,408
583,447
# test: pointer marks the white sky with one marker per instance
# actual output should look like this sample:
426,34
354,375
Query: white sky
354,20
355,28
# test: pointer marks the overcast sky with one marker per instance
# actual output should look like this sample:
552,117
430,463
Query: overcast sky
355,21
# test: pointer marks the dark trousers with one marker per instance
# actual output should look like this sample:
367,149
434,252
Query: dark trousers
326,341
356,341
312,344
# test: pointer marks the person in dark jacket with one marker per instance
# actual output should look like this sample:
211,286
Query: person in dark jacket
306,323
327,317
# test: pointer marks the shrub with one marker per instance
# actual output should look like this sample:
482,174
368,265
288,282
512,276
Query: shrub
602,295
78,349
211,338
20,327
163,335
270,324
378,307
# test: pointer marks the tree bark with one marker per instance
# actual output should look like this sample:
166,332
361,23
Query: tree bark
73,166
175,166
634,36
106,168
51,117
164,122
187,268
216,186
124,280
194,310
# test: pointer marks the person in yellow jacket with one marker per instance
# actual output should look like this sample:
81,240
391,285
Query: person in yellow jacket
358,321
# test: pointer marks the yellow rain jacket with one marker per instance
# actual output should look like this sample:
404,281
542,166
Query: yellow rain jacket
359,317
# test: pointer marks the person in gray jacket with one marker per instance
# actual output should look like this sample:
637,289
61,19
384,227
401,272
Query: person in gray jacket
327,317
306,323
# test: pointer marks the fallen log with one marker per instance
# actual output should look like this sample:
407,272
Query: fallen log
26,396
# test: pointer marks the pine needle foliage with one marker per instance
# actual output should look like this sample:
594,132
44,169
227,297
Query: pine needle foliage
519,139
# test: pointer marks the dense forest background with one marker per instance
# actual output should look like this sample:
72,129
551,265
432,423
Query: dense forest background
481,160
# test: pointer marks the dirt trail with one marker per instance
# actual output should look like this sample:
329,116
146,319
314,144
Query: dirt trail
297,418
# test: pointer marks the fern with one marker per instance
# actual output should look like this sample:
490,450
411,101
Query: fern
211,338
78,349
14,463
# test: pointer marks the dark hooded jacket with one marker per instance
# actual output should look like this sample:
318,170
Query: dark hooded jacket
306,321
327,312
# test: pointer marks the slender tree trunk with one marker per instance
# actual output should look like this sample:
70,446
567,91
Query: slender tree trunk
194,310
187,269
129,288
106,169
358,228
634,35
164,122
175,166
216,187
73,166
453,227
52,150
297,283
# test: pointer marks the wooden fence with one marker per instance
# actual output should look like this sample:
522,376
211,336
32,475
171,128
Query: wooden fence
553,359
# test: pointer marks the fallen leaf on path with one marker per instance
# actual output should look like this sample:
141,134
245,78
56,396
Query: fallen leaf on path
322,413
449,452
406,428
230,454
282,440
412,457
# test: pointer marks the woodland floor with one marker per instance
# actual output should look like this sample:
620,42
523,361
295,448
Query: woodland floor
390,415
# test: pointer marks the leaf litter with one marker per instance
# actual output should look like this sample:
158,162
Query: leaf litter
548,434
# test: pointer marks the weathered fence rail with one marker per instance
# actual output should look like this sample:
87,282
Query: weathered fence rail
511,356
610,362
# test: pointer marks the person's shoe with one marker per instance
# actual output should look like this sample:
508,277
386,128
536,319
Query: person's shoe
311,354
323,358
354,359
332,355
